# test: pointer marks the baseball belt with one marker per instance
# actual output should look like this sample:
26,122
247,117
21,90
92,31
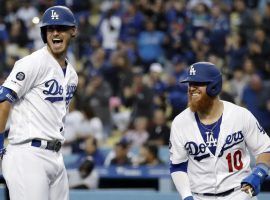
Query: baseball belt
221,194
54,145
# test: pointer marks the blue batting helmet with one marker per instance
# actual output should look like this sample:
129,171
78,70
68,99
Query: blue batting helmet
58,16
205,72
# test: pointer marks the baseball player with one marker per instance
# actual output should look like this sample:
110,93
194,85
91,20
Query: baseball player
209,141
36,96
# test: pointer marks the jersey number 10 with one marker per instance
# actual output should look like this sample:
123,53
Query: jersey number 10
235,161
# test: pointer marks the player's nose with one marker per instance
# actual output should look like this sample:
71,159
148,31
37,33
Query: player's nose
55,32
192,86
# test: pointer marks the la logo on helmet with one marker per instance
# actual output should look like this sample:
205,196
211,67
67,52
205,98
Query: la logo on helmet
54,15
192,71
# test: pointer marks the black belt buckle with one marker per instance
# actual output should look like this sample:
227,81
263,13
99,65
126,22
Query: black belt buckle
54,145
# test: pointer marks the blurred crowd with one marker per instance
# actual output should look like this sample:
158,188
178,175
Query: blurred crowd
130,56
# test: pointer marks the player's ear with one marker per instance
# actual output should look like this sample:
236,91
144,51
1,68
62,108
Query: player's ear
73,31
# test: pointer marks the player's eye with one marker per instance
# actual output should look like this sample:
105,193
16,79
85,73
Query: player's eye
198,84
57,28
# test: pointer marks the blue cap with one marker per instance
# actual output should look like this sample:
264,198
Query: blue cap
58,15
202,72
205,72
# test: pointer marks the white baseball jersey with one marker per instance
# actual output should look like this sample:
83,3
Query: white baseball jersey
44,93
225,170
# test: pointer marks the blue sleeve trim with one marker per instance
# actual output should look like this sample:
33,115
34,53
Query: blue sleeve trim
2,138
179,167
7,94
189,198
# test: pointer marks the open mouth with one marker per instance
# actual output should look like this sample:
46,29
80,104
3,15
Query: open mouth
194,95
57,42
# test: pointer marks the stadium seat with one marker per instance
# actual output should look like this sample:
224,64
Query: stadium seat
164,154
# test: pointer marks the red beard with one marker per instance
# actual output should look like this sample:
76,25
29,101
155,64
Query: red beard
202,105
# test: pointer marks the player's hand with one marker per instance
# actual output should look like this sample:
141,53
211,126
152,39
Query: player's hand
255,179
247,189
189,198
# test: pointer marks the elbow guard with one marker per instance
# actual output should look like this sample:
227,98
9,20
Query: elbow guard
7,94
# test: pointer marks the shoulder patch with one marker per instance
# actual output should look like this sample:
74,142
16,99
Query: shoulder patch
20,76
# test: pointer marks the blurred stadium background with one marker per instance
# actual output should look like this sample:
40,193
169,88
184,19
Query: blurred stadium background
130,56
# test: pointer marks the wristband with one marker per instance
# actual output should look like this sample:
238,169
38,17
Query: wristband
256,178
264,167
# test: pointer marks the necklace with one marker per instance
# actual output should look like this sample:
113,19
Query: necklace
207,129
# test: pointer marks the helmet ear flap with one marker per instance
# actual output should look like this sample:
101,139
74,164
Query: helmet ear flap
215,87
43,34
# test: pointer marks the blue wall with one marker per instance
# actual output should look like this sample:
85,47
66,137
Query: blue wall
132,195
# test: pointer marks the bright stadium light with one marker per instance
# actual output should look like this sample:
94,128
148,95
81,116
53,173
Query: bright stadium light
35,20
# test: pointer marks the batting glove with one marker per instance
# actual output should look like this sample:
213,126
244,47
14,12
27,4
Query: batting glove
189,198
256,178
